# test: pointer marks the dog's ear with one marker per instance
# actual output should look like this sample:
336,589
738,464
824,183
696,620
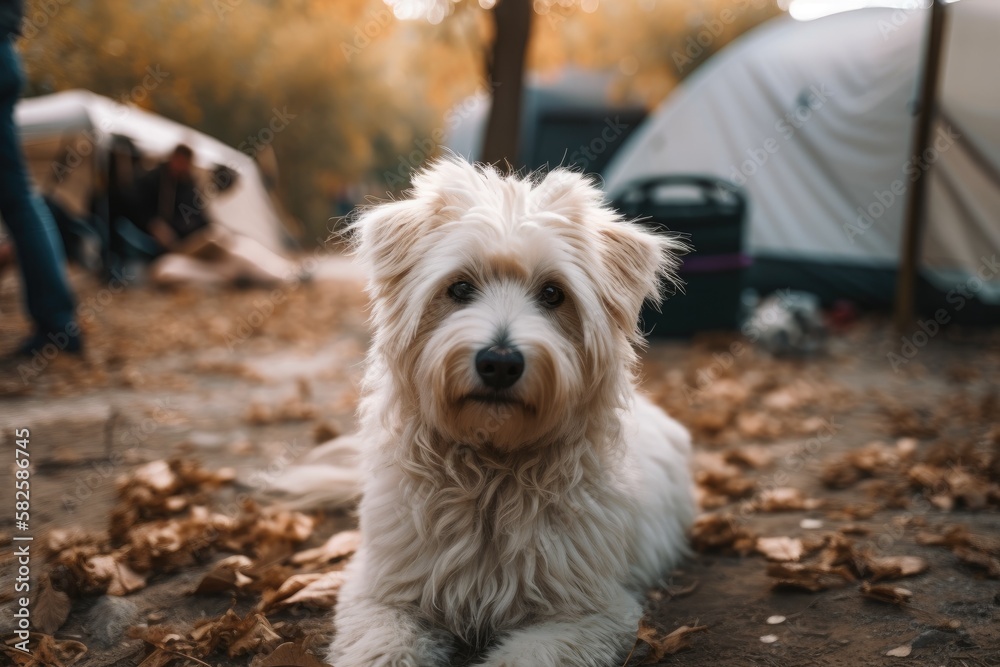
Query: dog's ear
638,264
382,236
569,194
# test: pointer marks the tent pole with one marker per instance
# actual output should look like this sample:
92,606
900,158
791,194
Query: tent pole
916,198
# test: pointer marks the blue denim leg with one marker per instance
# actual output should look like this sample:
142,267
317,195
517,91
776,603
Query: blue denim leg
39,249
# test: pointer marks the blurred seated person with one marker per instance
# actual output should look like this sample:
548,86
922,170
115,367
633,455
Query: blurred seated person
169,207
128,244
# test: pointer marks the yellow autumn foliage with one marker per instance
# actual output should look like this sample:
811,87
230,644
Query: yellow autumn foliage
364,88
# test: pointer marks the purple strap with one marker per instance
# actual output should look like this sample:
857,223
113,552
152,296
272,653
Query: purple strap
715,263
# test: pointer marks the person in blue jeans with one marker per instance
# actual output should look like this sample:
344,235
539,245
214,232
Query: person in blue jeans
40,254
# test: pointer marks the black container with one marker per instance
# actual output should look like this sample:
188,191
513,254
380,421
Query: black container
710,213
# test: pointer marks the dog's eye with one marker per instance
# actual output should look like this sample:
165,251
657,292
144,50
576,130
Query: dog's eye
551,296
462,291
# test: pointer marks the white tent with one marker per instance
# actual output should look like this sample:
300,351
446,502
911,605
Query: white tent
814,120
62,133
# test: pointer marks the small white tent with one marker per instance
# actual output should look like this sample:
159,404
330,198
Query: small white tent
63,133
814,120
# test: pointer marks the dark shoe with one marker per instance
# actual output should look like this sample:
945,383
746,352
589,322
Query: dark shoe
45,344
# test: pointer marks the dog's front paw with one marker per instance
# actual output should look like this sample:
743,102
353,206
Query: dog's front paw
520,660
553,654
368,658
508,661
382,645
531,654
597,640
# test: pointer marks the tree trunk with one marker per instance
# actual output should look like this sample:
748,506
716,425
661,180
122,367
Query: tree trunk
512,19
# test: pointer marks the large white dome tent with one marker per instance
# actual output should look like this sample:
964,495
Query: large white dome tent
814,119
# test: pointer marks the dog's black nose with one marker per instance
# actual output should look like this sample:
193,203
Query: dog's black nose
499,366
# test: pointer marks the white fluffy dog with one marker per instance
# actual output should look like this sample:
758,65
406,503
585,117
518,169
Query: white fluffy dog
518,495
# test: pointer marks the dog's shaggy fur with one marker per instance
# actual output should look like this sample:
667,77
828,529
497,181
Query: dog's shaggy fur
526,521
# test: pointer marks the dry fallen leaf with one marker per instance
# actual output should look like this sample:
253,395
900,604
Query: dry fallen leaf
722,532
287,655
227,575
252,633
980,551
951,536
752,456
780,548
158,476
872,460
320,593
340,545
906,447
254,637
51,607
722,485
979,559
854,511
839,552
119,577
884,593
900,651
784,499
662,645
758,426
894,567
126,581
60,539
283,525
854,529
293,584
810,578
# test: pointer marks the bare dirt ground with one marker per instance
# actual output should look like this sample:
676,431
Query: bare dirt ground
853,463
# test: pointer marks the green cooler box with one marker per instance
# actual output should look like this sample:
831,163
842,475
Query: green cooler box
709,213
